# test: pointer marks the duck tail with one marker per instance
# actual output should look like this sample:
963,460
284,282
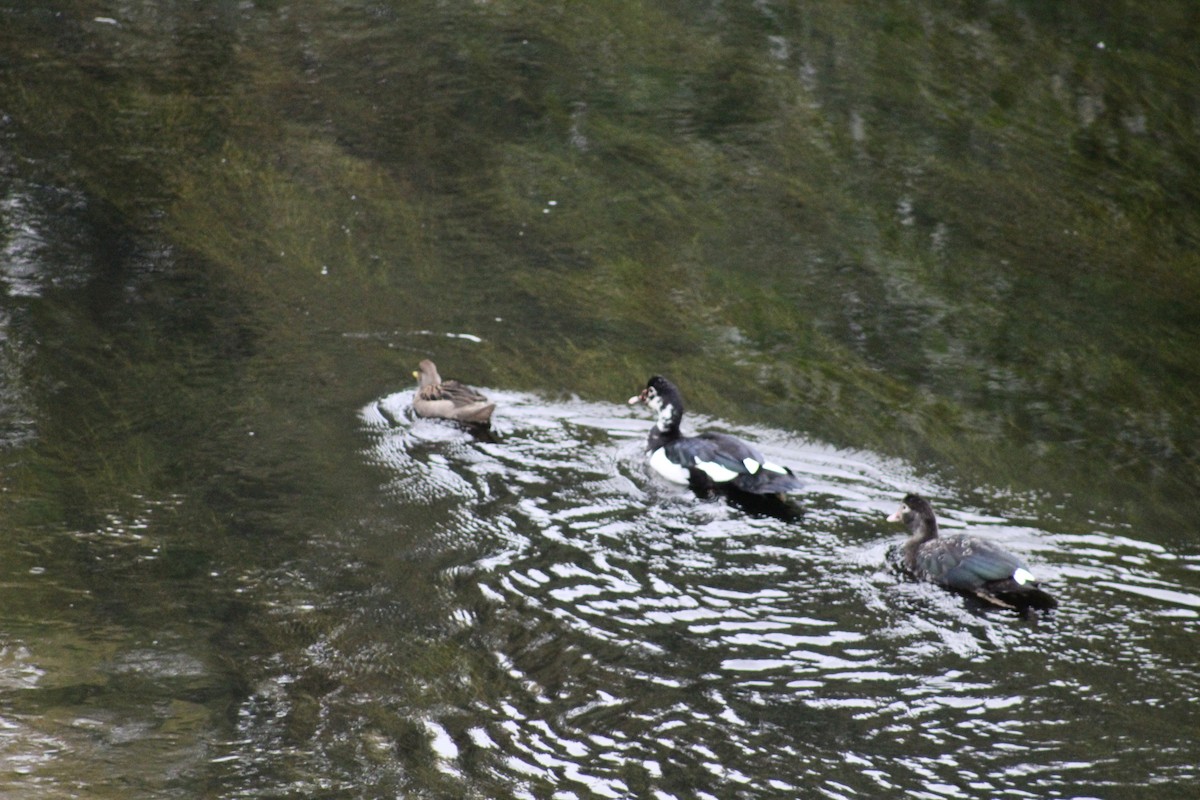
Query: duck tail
1023,597
771,483
484,415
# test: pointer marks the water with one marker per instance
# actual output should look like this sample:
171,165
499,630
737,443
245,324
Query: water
597,633
917,247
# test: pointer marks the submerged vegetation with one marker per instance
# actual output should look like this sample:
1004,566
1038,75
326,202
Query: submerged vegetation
967,236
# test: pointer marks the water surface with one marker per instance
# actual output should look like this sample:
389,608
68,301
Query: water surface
631,639
910,246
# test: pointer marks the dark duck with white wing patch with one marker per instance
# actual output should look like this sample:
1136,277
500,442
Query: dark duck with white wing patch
449,399
710,460
965,563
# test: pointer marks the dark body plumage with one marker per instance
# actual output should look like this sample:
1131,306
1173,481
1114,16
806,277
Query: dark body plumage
965,563
709,460
449,399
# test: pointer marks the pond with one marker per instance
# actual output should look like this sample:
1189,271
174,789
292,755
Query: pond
926,247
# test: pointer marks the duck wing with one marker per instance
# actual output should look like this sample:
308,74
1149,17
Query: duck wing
967,563
727,460
459,393
982,568
453,400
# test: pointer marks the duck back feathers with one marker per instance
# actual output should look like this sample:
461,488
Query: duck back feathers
724,459
976,566
449,399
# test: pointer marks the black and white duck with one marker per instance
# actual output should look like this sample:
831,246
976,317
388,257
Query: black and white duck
709,460
966,563
449,399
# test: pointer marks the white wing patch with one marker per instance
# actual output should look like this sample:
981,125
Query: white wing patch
751,465
667,468
715,471
775,468
1022,576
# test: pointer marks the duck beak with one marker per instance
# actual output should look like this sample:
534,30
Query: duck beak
638,398
416,375
897,515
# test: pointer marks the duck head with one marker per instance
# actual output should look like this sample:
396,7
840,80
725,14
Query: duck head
427,374
664,400
917,515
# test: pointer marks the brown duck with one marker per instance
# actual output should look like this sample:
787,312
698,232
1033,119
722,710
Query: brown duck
449,399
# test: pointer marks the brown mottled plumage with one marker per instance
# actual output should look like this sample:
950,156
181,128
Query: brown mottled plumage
449,399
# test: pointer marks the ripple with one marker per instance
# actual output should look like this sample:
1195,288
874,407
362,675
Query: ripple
640,641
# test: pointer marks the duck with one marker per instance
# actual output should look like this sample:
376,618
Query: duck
710,460
966,564
439,399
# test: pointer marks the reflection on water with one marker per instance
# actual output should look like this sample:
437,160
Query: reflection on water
638,641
